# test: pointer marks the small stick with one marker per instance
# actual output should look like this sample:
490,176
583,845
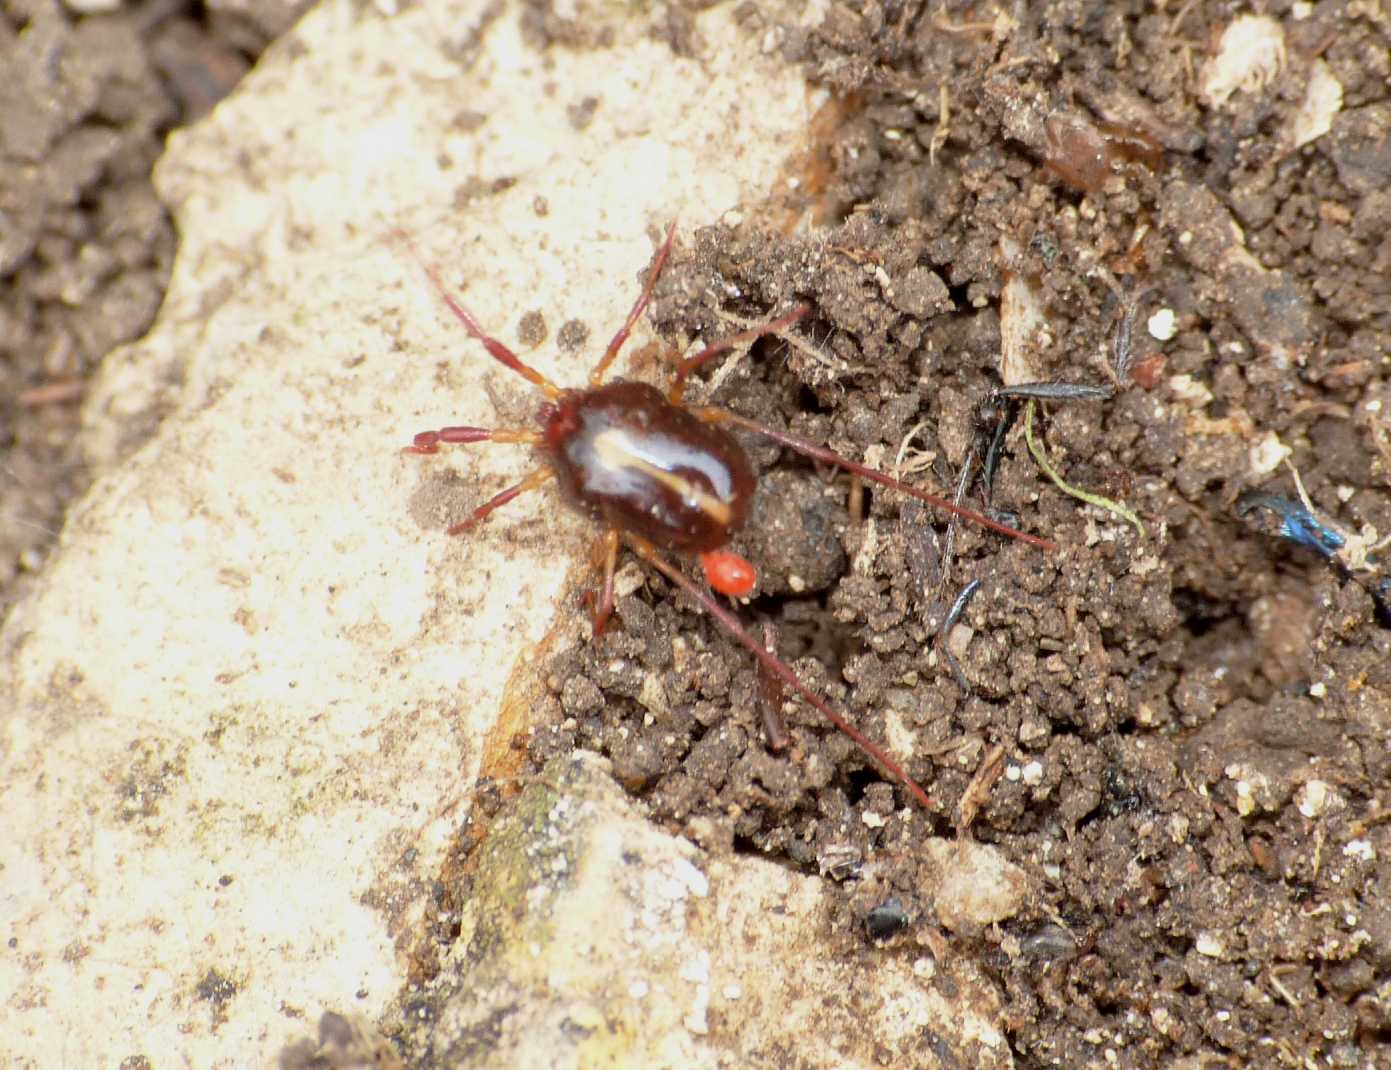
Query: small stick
1057,392
58,392
953,615
770,697
977,792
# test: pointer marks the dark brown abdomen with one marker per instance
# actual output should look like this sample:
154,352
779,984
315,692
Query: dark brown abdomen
626,455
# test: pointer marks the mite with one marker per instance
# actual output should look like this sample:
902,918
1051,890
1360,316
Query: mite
662,477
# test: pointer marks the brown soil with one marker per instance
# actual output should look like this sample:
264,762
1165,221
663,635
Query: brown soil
85,245
1194,722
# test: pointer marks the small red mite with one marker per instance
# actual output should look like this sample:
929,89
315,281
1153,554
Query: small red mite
662,476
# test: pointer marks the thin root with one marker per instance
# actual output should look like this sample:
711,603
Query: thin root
1036,448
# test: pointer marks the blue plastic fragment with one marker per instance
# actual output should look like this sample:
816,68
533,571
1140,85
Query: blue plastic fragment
1297,523
1303,527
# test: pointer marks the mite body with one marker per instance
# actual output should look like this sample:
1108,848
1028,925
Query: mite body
627,456
661,476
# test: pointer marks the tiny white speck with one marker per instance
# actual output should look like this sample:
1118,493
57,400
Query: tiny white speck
1163,325
1190,390
1208,945
1267,453
1245,801
1312,799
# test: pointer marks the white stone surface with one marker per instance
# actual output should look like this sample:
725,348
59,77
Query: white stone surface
649,953
248,698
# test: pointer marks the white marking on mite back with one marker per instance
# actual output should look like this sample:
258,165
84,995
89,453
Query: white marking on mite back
615,447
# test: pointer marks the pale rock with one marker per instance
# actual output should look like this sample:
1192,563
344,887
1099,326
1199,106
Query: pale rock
247,701
652,953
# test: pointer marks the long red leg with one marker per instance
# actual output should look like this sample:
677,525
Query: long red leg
774,664
608,547
820,453
691,363
535,479
496,349
431,441
596,377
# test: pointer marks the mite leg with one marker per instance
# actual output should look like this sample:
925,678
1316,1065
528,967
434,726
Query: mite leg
605,554
431,441
596,377
691,363
820,453
496,349
774,664
534,479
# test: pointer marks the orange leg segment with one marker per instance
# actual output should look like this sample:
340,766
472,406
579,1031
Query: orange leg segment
596,377
536,478
496,349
